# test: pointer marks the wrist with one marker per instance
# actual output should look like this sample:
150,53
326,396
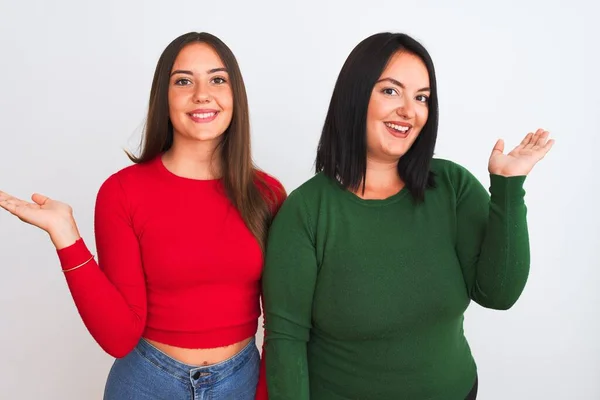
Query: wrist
509,172
64,234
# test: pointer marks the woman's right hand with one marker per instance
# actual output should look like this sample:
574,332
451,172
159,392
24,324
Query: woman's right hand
53,216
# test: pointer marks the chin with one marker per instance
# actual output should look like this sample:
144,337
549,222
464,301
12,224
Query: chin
206,136
394,153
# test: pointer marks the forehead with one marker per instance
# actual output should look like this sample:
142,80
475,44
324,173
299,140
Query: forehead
408,69
197,56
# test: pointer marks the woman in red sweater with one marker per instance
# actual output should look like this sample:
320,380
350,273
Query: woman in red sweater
175,293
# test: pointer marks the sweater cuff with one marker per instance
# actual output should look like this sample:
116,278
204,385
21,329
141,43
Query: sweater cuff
507,189
74,254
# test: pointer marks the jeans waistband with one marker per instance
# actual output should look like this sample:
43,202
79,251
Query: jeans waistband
209,374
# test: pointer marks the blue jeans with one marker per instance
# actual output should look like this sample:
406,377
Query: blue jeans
146,373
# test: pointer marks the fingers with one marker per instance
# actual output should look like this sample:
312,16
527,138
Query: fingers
542,139
498,147
540,144
25,211
14,200
6,200
527,139
533,139
39,199
13,205
539,139
547,146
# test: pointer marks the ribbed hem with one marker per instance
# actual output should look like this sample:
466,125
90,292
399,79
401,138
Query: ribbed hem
74,254
507,189
203,340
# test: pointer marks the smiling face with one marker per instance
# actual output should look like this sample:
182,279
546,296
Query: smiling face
398,107
200,95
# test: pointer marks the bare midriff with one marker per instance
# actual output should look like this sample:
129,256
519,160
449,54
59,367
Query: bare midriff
201,357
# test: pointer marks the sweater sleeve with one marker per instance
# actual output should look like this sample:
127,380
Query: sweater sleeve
110,295
288,285
276,199
492,239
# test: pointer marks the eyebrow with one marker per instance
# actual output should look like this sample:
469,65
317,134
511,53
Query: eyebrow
186,72
400,84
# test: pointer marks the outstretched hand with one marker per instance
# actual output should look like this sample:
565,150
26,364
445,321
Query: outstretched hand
52,216
521,160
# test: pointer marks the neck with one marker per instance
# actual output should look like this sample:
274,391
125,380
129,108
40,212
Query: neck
193,159
382,179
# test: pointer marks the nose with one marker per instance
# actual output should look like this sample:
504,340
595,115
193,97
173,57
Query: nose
406,110
202,94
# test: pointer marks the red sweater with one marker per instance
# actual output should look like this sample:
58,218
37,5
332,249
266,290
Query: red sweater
176,263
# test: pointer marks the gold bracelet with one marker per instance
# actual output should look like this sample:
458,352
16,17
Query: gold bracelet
80,265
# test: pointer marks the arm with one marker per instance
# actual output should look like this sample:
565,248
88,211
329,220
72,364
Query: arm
492,239
275,194
111,295
492,234
288,285
111,299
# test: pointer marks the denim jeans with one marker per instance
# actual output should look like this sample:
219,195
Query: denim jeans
146,373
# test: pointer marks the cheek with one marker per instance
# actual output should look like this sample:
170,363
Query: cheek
423,115
175,102
375,111
226,101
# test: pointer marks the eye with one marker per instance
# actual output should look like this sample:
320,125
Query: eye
423,98
218,80
390,91
183,82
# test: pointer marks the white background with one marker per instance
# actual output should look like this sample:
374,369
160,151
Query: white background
74,83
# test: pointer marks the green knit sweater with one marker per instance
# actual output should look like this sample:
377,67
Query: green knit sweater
364,299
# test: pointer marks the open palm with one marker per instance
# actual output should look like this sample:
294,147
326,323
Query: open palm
522,159
44,212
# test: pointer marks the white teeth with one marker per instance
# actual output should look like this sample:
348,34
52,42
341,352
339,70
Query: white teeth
204,115
397,127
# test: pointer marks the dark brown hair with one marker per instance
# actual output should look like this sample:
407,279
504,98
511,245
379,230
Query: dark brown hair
240,177
342,149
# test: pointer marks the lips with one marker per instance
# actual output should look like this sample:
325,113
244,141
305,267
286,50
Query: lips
203,115
398,129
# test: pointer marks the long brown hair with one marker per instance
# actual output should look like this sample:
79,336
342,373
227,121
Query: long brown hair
240,177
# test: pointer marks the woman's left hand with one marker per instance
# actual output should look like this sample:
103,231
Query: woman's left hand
521,159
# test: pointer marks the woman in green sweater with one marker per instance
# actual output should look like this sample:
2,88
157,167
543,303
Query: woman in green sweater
372,263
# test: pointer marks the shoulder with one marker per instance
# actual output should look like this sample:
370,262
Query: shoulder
304,204
128,180
310,194
454,177
138,173
450,170
271,188
315,186
444,166
269,181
